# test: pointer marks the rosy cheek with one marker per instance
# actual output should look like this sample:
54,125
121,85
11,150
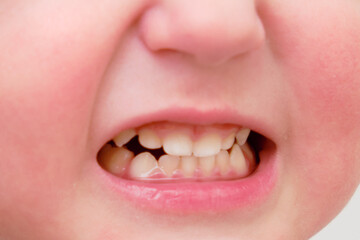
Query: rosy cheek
320,55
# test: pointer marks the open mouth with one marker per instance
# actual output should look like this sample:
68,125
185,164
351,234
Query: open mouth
172,152
174,165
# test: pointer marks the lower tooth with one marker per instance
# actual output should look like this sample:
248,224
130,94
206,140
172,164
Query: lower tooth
188,165
207,165
222,161
169,164
247,151
115,160
143,165
238,161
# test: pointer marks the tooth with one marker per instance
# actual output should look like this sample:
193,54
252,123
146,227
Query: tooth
149,139
124,137
169,164
142,165
116,160
248,152
188,165
207,146
207,165
242,136
178,144
238,161
222,161
228,142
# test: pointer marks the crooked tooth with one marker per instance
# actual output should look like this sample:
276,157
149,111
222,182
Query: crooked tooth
169,164
238,161
207,165
247,151
188,165
115,160
149,139
242,136
142,165
178,144
228,142
207,145
124,137
223,161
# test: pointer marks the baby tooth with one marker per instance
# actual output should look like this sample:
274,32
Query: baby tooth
228,142
207,165
242,136
188,165
142,165
207,146
238,161
149,139
169,164
117,160
178,144
247,151
124,137
222,161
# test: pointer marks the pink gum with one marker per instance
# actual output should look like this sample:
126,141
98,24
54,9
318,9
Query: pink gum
162,129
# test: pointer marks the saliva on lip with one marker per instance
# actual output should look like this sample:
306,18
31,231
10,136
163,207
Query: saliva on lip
188,154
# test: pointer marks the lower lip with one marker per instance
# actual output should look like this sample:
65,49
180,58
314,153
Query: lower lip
190,197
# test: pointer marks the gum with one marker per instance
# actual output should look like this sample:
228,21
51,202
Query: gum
162,129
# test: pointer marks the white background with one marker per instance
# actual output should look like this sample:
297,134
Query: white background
347,224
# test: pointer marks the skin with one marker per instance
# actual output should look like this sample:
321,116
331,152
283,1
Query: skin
71,71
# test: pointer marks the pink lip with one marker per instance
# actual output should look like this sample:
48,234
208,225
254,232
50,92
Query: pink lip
200,196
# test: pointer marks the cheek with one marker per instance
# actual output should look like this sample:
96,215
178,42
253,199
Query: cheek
321,57
47,87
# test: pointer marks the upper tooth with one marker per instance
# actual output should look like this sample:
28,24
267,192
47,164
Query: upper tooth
149,139
238,161
178,144
228,142
207,165
124,137
242,136
207,146
169,163
142,165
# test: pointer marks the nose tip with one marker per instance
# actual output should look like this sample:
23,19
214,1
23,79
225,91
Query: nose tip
211,31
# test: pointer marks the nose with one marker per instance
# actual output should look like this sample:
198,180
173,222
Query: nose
211,31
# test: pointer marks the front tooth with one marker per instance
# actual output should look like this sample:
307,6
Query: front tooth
238,161
116,160
149,139
178,144
169,164
242,136
228,142
207,165
207,146
222,161
188,165
124,137
142,165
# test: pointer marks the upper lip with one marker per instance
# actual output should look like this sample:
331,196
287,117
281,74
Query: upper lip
191,116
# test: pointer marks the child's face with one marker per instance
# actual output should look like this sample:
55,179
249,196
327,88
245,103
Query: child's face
74,74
